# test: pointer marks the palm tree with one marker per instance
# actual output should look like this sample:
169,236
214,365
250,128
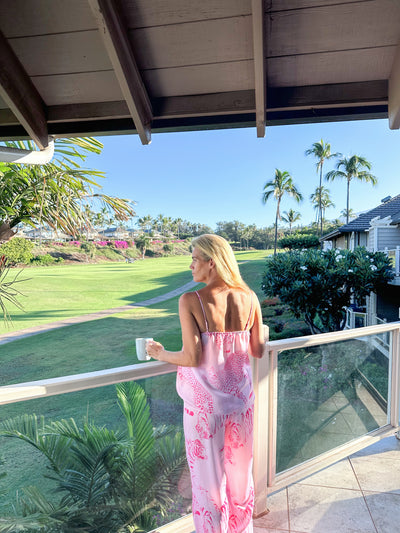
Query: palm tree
142,242
282,184
109,481
290,217
178,225
53,194
145,222
321,200
353,167
321,151
349,214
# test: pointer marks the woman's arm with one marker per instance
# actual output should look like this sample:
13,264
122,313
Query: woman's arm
257,340
190,355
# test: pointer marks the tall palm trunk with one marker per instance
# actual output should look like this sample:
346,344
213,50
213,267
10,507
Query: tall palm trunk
348,200
320,199
276,225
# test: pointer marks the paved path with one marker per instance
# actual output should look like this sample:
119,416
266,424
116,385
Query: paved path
23,333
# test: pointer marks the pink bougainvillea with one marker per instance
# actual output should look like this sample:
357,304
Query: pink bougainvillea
121,244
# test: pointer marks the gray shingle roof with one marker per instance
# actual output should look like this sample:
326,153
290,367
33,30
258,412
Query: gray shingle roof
362,222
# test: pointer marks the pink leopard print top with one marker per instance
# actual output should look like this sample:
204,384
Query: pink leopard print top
222,383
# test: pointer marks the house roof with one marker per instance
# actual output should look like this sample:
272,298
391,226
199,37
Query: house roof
363,222
92,67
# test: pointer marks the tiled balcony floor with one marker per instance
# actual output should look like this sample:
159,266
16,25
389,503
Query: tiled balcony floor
360,494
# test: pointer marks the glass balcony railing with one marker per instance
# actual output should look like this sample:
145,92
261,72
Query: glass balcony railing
328,395
317,399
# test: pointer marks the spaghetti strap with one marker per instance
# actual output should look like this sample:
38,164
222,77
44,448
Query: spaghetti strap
251,311
202,307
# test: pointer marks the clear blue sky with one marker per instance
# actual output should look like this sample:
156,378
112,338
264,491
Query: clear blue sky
210,176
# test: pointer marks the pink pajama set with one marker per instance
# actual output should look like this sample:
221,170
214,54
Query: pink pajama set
218,423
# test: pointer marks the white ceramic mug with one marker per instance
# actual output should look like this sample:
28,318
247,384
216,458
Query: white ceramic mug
141,353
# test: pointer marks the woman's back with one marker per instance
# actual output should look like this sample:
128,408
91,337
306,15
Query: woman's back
224,310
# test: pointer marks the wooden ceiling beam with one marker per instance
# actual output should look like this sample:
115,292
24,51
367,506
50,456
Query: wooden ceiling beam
21,96
258,15
394,92
115,36
286,99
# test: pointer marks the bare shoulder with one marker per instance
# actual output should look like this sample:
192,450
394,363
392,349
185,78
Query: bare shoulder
187,299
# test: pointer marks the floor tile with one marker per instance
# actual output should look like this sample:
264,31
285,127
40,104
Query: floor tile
339,475
377,473
277,518
269,530
385,511
328,510
389,447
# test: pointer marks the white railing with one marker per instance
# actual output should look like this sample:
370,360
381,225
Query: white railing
355,319
265,373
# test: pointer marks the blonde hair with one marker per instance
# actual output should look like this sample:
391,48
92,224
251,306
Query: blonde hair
218,249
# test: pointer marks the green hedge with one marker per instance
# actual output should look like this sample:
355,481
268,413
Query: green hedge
17,251
299,242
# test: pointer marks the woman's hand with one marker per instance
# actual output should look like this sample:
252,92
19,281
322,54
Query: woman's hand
156,350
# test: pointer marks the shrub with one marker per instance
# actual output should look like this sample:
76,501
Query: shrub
89,248
122,245
319,285
168,248
45,260
278,326
269,301
17,251
299,242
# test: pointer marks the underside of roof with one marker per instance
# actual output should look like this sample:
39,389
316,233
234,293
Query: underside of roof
93,67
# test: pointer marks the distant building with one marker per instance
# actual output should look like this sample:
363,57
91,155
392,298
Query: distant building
378,230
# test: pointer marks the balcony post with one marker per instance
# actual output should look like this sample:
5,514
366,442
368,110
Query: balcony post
260,368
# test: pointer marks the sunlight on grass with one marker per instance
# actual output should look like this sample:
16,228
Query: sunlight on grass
55,293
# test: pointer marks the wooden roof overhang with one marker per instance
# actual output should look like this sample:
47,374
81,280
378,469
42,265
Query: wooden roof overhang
95,67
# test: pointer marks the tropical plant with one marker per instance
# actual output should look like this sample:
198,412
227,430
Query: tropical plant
299,241
17,251
348,214
9,294
142,242
282,184
290,217
322,151
354,167
55,193
321,201
318,285
145,223
109,481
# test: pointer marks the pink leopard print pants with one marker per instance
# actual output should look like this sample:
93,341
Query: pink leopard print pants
219,450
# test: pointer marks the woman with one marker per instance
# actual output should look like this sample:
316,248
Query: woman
221,325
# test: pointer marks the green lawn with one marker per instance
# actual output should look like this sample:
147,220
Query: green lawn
57,292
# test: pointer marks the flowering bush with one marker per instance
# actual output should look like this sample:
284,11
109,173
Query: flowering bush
319,285
121,245
75,243
101,243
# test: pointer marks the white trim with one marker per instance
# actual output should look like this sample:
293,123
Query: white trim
78,382
27,157
260,370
